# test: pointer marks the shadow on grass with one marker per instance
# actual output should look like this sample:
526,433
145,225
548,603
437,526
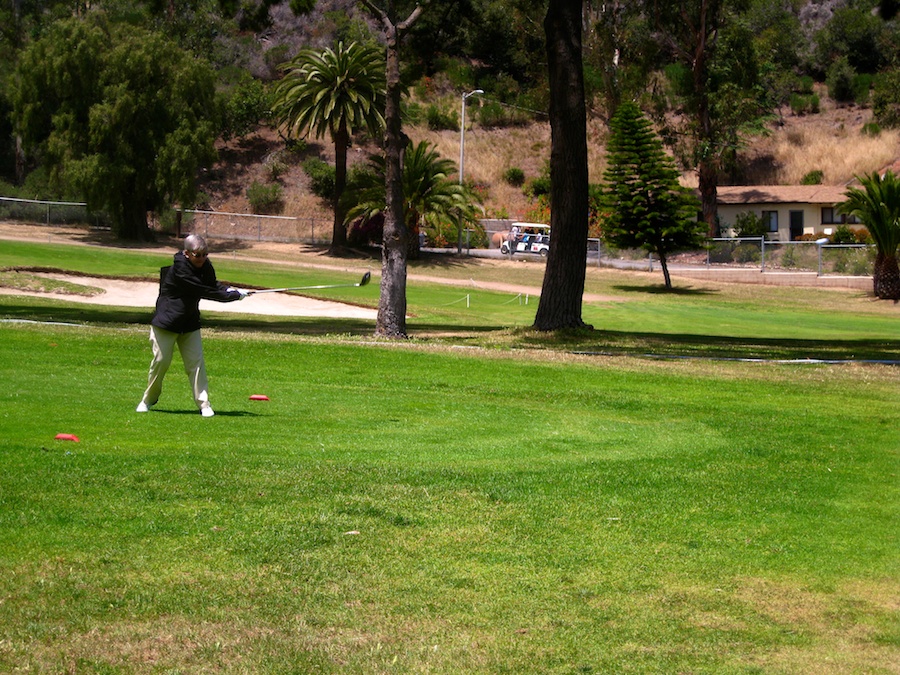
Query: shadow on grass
685,345
196,413
439,260
600,342
657,289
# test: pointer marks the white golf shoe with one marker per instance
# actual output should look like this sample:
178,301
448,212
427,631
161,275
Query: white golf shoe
142,407
207,412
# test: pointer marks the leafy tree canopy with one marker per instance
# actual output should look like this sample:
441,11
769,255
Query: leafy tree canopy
877,204
646,206
430,195
119,113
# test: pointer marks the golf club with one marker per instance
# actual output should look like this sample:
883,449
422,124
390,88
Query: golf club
362,282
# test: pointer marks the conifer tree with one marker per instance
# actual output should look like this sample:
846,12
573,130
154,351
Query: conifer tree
647,207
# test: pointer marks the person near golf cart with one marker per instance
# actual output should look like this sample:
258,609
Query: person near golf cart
176,321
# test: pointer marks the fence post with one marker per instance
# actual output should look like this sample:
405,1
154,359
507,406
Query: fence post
258,228
762,264
820,244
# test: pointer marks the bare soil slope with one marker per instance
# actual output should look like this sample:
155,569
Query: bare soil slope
831,141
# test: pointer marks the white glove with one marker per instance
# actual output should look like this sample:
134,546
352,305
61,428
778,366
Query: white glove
243,293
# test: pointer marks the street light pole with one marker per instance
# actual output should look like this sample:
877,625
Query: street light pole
462,155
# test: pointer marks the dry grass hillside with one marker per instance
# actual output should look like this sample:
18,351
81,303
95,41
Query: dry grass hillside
830,141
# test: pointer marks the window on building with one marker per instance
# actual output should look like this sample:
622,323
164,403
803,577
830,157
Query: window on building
830,216
770,220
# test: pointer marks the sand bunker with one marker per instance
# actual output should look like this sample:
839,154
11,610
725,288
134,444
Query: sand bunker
120,293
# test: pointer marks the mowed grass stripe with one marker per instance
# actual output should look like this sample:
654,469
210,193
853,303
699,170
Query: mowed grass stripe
424,508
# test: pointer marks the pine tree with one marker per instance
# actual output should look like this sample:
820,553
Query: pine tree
647,207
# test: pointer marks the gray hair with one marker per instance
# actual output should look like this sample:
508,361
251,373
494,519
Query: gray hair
195,243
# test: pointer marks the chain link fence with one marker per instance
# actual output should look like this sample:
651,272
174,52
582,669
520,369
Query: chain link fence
793,256
211,224
252,227
748,253
50,212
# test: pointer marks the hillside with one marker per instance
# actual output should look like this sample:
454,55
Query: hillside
830,141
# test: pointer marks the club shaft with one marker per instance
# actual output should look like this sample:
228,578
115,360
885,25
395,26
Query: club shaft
362,282
302,288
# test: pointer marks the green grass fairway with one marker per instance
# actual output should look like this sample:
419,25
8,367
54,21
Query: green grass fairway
479,499
709,320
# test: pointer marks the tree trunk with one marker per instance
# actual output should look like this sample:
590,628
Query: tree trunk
563,287
664,263
709,188
708,169
132,225
886,277
339,229
391,320
20,161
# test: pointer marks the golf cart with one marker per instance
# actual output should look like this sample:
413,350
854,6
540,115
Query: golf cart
531,238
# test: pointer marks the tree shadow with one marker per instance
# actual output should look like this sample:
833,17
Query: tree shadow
439,260
687,345
662,290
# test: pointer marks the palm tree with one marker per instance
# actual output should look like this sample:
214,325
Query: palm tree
429,195
877,205
336,92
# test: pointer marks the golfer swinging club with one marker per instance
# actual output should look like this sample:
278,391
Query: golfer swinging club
177,320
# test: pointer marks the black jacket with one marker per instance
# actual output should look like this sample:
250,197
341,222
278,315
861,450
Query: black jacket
181,286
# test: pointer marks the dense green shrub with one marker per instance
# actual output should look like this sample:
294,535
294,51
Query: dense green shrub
806,85
749,224
840,80
493,114
886,99
295,146
804,104
440,120
814,177
446,234
265,197
412,112
843,235
514,176
862,88
747,253
321,177
871,129
852,33
538,187
246,105
721,252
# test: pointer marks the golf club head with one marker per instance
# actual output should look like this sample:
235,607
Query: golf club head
365,279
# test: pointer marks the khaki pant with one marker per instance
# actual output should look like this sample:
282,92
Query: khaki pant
191,348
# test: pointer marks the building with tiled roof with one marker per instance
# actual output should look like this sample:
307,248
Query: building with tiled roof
790,211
